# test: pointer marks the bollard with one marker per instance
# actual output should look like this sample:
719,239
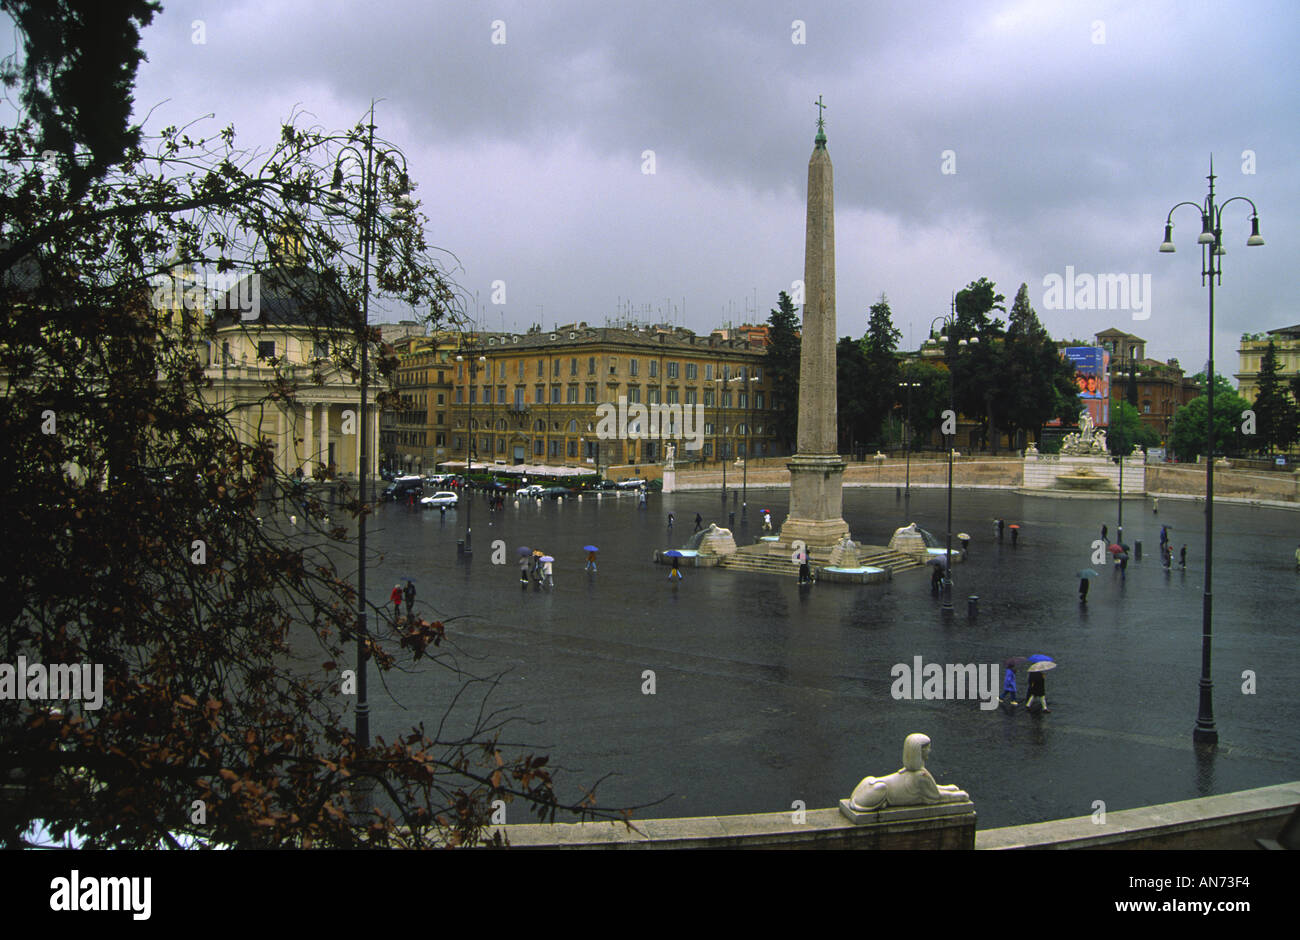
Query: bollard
972,606
460,546
731,519
1137,550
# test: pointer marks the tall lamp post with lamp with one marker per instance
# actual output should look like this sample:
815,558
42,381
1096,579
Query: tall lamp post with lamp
375,163
946,338
468,356
1212,252
749,448
721,384
907,443
1122,443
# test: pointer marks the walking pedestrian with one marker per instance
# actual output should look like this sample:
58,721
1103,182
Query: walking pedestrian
997,528
442,512
936,578
1015,534
546,570
1104,532
1155,504
395,598
1297,557
805,573
409,595
699,522
670,520
677,571
1182,558
1001,526
767,521
1010,692
1083,590
641,502
1164,536
1123,564
1037,689
523,570
591,561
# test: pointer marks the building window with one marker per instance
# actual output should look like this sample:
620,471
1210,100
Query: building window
726,399
758,400
708,427
1146,407
440,399
554,448
743,400
632,367
541,368
672,370
440,439
555,369
654,368
652,395
573,367
555,394
441,379
266,349
708,398
708,449
692,371
613,365
460,396
573,395
758,373
591,365
320,349
708,372
634,394
540,394
672,396
538,447
691,395
473,394
501,395
573,426
591,394
573,448
442,417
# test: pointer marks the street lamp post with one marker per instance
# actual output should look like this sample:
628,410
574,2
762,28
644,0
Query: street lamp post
372,161
1211,242
949,324
469,448
1129,375
749,448
721,384
907,443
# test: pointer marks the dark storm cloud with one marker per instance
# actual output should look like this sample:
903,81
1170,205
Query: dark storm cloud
1068,150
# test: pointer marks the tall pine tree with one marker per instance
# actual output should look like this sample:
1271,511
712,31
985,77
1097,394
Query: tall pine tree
1275,412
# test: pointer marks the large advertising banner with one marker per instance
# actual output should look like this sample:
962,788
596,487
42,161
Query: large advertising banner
1092,375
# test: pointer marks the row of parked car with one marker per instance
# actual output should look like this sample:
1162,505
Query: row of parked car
443,489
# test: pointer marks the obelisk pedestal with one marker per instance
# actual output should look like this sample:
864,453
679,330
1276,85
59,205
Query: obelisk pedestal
817,469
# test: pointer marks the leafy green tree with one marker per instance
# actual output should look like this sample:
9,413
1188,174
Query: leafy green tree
928,401
852,376
979,369
1126,430
1275,413
1189,430
1039,383
783,366
876,388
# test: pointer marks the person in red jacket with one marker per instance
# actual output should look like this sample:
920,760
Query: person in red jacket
395,598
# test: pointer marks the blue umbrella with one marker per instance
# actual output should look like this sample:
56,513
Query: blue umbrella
673,553
523,550
1085,573
1039,658
590,548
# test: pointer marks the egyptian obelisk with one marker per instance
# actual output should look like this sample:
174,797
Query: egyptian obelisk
817,469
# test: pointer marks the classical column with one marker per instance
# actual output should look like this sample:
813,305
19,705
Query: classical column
307,442
324,432
816,470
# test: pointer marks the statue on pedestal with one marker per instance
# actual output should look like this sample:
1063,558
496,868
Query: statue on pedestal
911,785
670,452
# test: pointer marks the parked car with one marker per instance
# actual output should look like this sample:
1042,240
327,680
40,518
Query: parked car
403,487
531,491
439,499
555,492
630,484
605,485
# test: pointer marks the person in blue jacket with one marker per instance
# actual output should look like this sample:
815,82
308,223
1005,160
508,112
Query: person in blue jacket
1009,691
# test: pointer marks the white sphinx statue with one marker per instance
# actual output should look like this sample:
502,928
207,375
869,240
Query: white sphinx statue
911,785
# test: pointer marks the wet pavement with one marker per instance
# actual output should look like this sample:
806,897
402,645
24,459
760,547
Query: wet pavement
766,693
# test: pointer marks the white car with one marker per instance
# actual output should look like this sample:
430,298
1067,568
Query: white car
631,484
440,499
532,491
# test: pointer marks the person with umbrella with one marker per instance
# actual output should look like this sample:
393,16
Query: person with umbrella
395,598
964,538
409,594
1038,666
547,561
936,579
670,520
699,522
525,555
1015,534
676,556
1083,576
537,565
591,557
767,521
1182,558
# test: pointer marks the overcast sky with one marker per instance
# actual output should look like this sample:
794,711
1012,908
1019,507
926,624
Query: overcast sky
1073,128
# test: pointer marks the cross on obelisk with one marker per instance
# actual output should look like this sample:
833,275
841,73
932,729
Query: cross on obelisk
816,469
